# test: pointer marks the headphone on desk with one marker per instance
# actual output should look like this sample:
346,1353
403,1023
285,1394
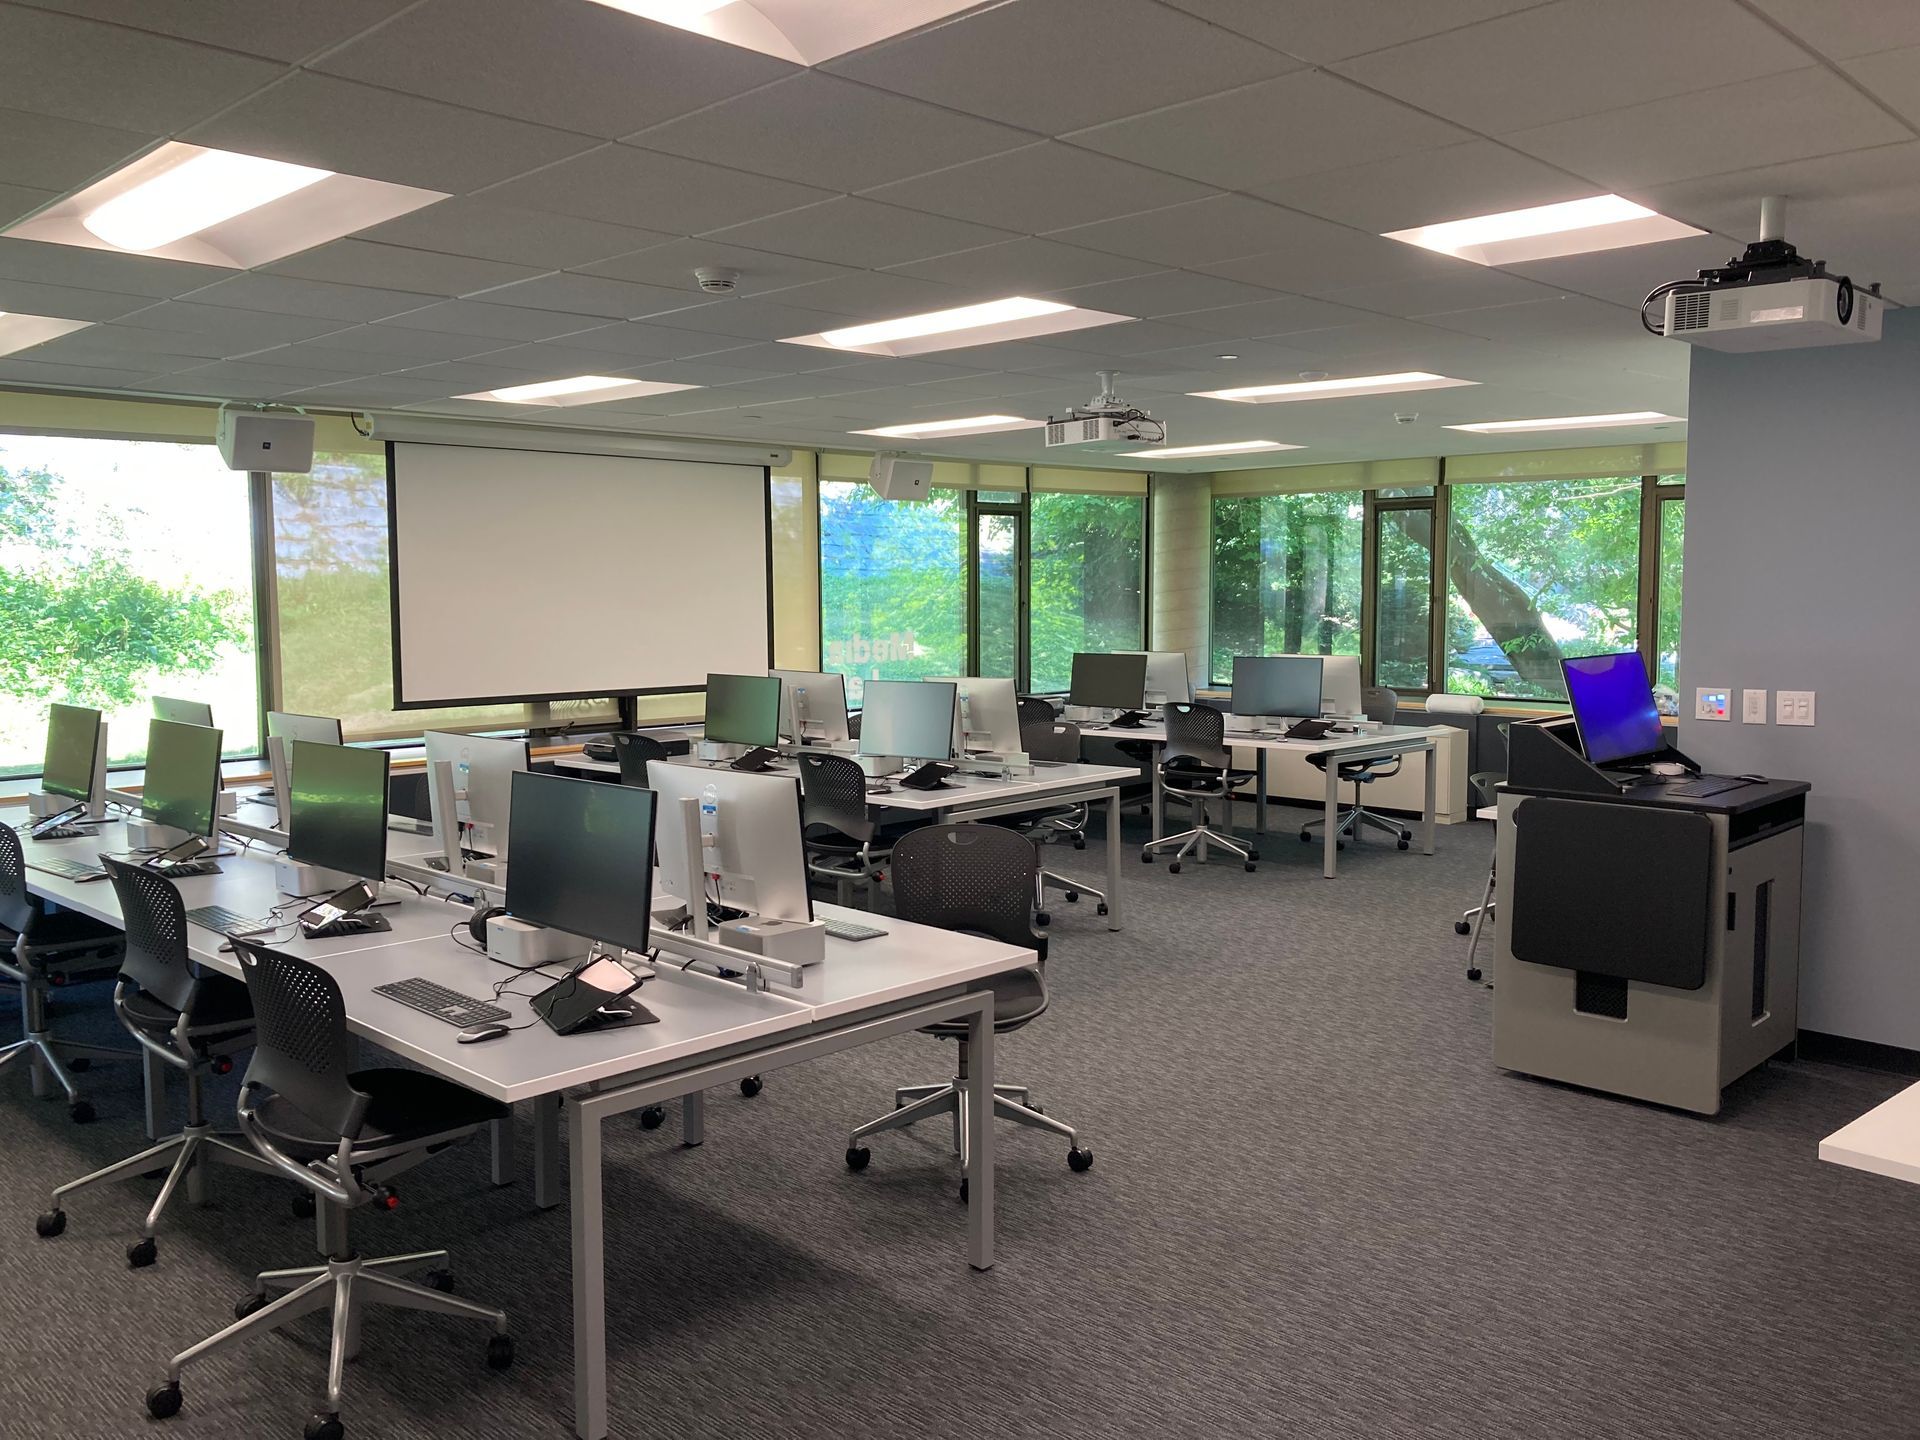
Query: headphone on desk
477,926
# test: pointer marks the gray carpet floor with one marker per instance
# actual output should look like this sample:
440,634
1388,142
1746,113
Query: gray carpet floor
1317,1210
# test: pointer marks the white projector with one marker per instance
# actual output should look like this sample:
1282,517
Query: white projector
255,440
1776,315
1104,433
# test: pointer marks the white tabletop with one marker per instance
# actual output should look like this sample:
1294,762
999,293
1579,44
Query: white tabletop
963,790
1156,732
1885,1140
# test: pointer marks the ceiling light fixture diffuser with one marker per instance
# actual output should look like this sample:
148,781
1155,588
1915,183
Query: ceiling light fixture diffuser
1545,232
195,195
22,332
806,32
1018,317
1573,422
1191,452
576,390
971,425
1334,389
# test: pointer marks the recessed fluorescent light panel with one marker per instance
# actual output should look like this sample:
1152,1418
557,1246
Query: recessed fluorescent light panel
1574,227
1194,452
1573,422
21,332
576,390
1346,387
1015,318
218,207
971,425
803,31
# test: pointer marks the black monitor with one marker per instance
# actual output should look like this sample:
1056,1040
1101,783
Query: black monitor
583,857
743,709
185,712
337,808
1109,682
909,718
1279,685
183,776
73,745
1613,709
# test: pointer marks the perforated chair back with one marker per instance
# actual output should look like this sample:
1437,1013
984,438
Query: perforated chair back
301,1046
18,908
833,793
1380,704
1197,735
635,753
155,919
969,877
853,724
1034,711
1051,740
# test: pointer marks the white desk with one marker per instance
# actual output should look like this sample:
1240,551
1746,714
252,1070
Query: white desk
710,1032
1379,743
1885,1140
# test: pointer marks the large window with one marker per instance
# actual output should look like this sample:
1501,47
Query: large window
1286,576
1538,570
125,572
1666,645
1088,563
893,591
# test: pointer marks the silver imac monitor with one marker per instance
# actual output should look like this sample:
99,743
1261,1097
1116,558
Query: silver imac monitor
183,712
1339,682
986,714
75,747
483,769
747,830
321,729
1168,682
813,705
909,718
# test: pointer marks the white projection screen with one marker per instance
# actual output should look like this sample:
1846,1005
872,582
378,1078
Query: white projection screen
531,575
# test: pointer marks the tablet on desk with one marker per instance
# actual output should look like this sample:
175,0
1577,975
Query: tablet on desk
591,997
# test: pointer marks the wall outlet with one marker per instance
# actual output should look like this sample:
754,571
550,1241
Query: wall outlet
1793,707
1753,707
1710,702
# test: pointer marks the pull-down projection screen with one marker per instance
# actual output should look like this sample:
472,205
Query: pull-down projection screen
529,575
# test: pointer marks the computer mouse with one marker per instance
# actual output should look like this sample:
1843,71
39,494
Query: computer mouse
483,1032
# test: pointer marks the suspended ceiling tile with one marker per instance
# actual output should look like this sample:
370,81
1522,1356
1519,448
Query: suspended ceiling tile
1624,277
425,272
1482,177
22,369
483,230
1893,76
374,392
641,342
1221,228
254,290
29,297
1028,266
1842,29
19,201
593,295
873,295
666,194
103,269
1317,31
865,233
505,323
392,342
277,29
672,263
49,153
238,330
1041,187
1166,292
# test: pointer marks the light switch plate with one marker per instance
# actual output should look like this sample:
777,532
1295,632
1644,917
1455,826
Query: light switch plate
1793,707
1753,707
1710,702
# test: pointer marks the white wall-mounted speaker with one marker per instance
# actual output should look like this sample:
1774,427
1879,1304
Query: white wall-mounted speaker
896,478
255,440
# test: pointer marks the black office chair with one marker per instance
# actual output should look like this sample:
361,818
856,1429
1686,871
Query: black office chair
1196,768
1381,705
190,1020
977,879
50,947
1034,711
342,1134
1056,740
842,842
635,752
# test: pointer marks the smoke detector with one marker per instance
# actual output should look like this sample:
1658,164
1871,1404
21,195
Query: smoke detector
717,280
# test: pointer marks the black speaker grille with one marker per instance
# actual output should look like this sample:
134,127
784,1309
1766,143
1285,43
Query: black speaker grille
1602,995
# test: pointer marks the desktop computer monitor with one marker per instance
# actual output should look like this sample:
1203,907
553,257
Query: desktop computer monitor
743,709
1613,708
322,729
1339,683
1168,682
751,839
909,718
1277,685
585,861
337,809
813,705
1109,682
183,777
483,770
987,715
183,712
74,737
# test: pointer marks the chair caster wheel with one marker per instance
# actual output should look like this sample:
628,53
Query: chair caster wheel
653,1117
1405,843
1079,842
1080,1159
1474,974
80,1065
302,1205
499,1352
1462,927
324,1427
53,1223
163,1401
1249,867
441,1280
1042,918
1174,868
1146,857
1339,844
81,1112
963,1189
142,1253
750,1086
247,1304
1306,837
1102,908
1073,897
857,1157
1253,857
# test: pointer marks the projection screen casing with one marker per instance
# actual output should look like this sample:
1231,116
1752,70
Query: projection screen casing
522,575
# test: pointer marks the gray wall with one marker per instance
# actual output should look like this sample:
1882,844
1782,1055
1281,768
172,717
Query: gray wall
1802,571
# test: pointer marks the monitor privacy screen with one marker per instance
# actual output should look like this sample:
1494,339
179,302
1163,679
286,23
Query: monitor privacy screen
1613,706
337,808
582,857
743,709
73,735
183,776
1108,682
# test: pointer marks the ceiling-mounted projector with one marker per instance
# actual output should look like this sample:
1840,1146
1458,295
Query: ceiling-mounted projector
1767,299
1105,423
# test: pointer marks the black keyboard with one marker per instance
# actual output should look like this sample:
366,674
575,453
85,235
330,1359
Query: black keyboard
67,869
186,869
442,1003
227,922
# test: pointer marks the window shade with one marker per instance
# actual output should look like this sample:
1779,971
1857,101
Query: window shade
1304,479
1586,462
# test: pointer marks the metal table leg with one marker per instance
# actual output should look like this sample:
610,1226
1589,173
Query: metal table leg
693,1118
546,1152
500,1132
1159,817
1426,819
589,1275
1332,846
1260,790
980,1128
154,1073
1113,856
